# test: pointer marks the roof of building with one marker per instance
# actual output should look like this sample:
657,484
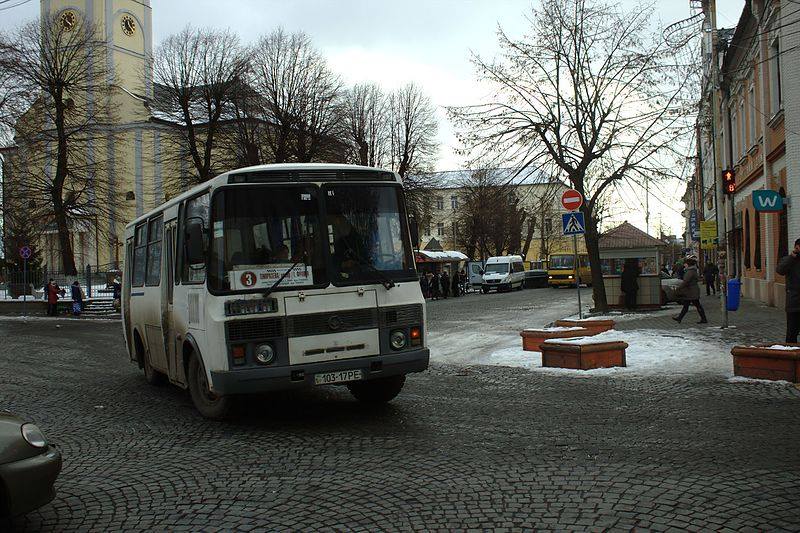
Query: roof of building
627,236
452,179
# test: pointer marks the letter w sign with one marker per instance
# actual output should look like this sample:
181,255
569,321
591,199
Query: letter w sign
767,201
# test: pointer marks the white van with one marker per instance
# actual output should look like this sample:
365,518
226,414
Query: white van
503,273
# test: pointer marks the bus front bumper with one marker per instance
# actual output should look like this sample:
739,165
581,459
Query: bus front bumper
255,380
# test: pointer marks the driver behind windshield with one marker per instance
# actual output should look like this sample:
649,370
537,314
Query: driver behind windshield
350,248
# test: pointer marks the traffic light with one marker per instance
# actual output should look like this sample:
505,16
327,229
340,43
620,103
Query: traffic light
729,181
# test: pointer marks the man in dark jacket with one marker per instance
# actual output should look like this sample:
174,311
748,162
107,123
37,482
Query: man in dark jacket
789,267
689,291
630,282
710,273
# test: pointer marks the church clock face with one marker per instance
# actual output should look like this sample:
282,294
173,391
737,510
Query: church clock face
128,25
67,20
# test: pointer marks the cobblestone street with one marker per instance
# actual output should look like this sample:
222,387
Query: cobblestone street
462,447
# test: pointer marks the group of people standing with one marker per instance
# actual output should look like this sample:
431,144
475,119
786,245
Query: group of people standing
53,293
437,285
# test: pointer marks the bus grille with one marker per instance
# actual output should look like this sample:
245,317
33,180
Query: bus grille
404,315
323,323
262,328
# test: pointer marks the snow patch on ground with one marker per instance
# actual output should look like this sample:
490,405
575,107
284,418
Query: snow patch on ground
742,379
650,352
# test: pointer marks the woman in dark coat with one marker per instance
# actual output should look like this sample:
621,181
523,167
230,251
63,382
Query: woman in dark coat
435,287
689,291
455,285
630,282
445,280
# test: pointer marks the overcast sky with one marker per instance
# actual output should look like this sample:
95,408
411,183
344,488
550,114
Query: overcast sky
393,42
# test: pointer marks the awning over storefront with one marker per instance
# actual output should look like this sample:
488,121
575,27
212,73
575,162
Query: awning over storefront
447,256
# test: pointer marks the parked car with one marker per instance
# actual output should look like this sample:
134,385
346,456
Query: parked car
669,287
29,466
503,273
535,278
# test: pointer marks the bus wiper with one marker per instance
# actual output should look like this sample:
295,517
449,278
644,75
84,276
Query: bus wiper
386,281
283,277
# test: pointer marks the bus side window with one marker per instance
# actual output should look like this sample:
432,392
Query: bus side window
139,255
195,208
155,232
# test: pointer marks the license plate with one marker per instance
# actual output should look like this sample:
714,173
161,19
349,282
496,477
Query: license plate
341,376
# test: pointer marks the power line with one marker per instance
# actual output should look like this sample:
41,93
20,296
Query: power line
6,8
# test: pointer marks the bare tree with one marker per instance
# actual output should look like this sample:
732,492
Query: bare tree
56,173
588,95
413,127
197,74
490,216
367,119
541,211
301,104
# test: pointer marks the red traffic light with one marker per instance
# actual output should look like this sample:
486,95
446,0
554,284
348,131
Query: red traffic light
729,181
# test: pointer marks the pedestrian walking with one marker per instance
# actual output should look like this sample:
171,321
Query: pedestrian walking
52,293
679,269
455,285
710,273
423,285
463,281
630,282
76,292
789,267
444,279
689,291
435,287
116,288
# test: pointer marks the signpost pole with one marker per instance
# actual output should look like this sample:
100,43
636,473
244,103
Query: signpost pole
24,286
577,275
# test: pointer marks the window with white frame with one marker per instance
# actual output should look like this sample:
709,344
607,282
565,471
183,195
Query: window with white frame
776,94
752,114
743,146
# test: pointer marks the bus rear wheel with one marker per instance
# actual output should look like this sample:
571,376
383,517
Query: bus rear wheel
209,404
375,391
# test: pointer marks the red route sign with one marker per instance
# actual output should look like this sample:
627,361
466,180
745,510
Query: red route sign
572,200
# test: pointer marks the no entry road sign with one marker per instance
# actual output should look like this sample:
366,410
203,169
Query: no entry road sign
572,224
572,200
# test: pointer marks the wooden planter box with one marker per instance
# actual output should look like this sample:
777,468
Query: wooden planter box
583,356
761,362
532,338
595,326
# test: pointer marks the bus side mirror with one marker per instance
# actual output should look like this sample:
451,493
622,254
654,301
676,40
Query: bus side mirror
413,228
195,242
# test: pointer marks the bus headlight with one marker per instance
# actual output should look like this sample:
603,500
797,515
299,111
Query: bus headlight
397,339
569,277
265,353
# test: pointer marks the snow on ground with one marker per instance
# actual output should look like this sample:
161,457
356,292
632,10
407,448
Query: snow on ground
650,352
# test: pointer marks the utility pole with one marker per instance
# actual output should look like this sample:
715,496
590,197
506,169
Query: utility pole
718,209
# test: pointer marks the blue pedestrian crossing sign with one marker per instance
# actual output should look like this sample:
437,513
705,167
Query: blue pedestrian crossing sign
572,223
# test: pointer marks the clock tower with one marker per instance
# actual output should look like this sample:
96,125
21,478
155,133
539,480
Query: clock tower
126,27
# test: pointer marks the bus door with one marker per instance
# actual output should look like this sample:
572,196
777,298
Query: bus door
167,296
126,298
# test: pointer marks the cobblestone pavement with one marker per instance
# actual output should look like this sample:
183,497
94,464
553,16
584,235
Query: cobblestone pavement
474,447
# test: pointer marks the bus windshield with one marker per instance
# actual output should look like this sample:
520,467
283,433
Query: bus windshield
260,232
562,261
367,237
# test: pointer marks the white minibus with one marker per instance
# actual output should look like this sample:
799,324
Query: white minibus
276,277
503,273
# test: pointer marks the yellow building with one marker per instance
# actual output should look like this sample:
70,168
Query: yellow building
132,154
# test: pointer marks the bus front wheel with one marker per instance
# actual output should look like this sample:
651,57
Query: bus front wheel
381,390
209,404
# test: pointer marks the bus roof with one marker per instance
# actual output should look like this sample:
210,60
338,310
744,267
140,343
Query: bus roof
223,179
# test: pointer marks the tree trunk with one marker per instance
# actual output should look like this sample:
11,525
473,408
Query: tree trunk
592,239
57,192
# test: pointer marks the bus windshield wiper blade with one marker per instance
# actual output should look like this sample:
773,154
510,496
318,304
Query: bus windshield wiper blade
275,285
386,281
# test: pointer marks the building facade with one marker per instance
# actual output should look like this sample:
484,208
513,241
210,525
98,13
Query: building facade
751,131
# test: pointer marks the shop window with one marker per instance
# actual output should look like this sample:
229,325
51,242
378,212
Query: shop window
747,239
783,228
757,251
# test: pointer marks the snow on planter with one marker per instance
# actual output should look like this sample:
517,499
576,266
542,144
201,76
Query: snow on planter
592,324
583,353
532,338
776,362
